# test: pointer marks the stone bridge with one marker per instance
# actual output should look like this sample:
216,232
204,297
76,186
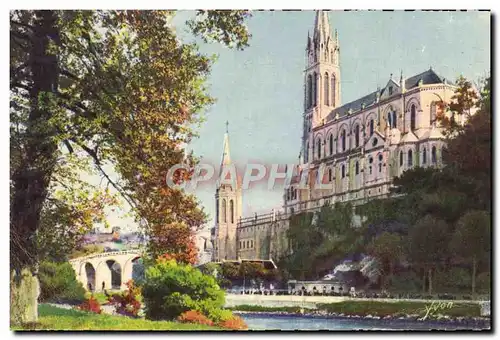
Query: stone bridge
109,270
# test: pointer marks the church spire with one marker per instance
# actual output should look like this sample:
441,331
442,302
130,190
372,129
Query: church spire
226,158
322,26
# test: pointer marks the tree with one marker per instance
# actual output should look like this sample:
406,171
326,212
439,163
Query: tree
71,209
388,249
230,270
426,242
472,239
118,86
462,104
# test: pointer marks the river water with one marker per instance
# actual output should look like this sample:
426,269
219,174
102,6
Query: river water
292,322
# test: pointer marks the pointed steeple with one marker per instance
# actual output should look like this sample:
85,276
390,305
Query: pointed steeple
226,157
321,26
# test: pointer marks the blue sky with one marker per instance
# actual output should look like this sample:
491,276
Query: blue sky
259,90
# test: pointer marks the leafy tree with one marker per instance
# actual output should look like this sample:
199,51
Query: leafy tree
388,249
120,87
426,242
58,283
462,104
472,239
171,289
230,270
71,209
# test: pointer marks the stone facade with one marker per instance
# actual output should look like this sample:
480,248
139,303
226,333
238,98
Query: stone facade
354,149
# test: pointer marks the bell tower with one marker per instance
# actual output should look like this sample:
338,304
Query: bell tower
227,207
321,77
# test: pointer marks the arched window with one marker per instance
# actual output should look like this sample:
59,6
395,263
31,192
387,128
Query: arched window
327,89
394,119
370,161
380,159
319,147
424,156
356,135
412,117
410,158
401,158
433,155
306,153
371,127
309,92
315,89
330,145
342,137
217,211
329,174
231,210
343,170
357,168
333,90
391,119
224,220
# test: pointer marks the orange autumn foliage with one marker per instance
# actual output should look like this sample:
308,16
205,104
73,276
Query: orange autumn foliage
174,242
235,323
193,316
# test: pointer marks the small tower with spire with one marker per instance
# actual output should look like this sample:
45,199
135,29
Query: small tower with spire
227,206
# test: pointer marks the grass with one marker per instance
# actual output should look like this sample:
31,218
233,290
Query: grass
52,318
379,308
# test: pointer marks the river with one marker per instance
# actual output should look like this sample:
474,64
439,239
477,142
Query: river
292,322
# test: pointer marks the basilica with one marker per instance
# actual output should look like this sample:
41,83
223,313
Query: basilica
356,147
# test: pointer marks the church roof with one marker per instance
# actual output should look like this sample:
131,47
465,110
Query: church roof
427,77
409,137
354,105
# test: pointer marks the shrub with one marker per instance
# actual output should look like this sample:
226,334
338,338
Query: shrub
127,303
170,289
58,283
193,316
91,305
235,323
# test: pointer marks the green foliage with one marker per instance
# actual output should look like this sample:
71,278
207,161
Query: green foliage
222,25
452,280
427,240
58,283
472,237
388,249
171,289
406,282
230,270
484,282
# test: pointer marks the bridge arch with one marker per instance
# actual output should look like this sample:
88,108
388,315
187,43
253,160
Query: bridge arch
113,268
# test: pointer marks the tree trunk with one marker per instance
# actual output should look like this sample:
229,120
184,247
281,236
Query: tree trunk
31,180
474,268
423,283
430,281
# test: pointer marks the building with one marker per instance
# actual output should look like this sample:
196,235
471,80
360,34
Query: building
357,148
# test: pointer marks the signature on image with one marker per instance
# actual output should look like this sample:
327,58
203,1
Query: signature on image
430,310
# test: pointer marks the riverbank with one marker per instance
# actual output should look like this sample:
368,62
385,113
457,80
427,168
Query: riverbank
59,319
462,313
